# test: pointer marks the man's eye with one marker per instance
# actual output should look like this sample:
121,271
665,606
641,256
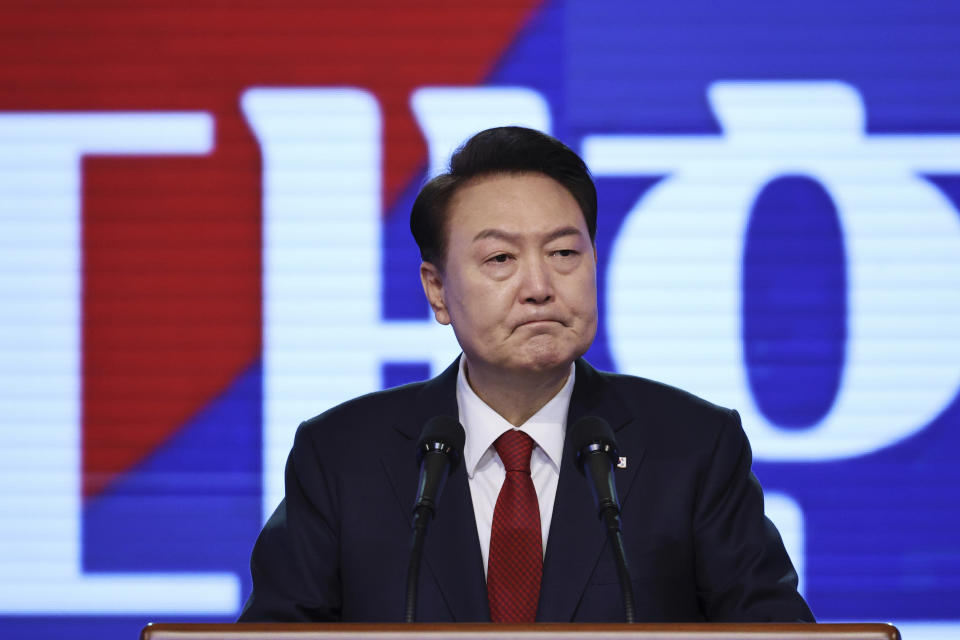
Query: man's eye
501,258
565,253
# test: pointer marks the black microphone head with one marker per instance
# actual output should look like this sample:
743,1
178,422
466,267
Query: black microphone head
444,434
591,434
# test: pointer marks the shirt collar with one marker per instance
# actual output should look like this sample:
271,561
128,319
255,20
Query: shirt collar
483,425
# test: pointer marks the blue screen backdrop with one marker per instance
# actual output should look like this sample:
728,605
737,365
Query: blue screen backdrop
779,231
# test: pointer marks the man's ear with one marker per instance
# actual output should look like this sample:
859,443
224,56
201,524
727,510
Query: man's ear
432,281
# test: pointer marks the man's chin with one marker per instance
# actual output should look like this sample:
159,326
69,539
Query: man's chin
539,361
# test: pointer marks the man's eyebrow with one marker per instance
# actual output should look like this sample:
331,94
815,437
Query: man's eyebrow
562,232
499,234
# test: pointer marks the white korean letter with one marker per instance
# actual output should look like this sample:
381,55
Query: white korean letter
40,350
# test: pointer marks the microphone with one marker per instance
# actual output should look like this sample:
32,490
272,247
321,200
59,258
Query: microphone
596,449
441,443
438,453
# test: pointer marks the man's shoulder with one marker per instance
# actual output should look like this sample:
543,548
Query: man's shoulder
364,416
656,396
673,419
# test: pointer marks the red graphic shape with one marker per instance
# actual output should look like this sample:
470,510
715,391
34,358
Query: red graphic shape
171,299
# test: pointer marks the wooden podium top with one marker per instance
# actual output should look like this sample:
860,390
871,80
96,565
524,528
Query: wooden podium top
544,631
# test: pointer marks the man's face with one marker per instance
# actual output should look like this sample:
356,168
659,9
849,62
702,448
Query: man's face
519,284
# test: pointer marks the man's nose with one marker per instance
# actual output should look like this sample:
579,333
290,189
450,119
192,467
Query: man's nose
537,284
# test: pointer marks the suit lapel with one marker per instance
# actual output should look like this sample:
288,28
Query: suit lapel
576,536
452,549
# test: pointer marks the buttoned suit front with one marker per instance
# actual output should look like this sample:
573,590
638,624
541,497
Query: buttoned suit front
699,546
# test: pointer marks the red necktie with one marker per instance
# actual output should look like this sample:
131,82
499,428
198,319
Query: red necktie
516,550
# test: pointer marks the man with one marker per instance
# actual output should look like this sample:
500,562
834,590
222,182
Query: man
507,241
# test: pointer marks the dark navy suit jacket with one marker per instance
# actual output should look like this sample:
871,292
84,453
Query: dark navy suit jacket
699,546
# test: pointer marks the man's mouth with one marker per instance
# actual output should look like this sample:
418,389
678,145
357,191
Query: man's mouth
539,322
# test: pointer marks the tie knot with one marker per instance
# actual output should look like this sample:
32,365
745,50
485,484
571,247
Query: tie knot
514,448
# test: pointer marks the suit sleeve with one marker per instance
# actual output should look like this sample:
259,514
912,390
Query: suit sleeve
743,571
294,564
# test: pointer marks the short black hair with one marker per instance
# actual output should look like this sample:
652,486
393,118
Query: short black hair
501,150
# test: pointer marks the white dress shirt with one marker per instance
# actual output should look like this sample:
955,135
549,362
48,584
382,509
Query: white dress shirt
485,470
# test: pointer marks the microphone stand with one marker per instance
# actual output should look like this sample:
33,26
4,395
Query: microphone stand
421,518
597,460
440,443
612,520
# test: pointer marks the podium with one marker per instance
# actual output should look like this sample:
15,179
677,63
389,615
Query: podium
543,631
